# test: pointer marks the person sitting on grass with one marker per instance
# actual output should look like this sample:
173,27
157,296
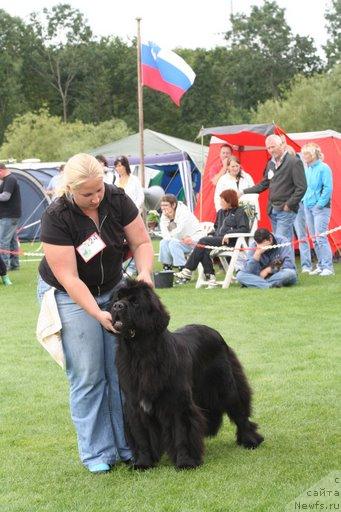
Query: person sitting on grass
231,218
268,268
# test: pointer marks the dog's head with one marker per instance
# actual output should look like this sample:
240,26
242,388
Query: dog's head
138,311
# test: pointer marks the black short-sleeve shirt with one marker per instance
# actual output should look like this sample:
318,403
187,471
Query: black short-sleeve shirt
64,223
10,209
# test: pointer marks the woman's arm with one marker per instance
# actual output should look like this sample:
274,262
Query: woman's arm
62,262
141,246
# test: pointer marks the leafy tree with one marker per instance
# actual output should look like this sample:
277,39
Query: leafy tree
333,46
46,137
62,33
265,55
12,100
313,103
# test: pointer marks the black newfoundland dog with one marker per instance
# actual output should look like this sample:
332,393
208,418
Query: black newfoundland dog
177,385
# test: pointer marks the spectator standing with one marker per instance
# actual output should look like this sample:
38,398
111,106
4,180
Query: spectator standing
285,178
55,183
10,213
133,188
268,268
109,175
300,225
317,202
130,184
220,168
236,179
3,273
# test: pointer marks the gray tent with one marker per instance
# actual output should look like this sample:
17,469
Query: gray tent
155,143
168,154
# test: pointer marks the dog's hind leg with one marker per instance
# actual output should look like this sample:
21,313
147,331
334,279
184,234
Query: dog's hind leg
237,404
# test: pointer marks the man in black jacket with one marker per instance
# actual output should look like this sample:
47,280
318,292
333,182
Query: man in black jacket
285,178
10,213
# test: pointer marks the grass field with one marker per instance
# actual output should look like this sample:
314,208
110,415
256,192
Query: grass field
288,341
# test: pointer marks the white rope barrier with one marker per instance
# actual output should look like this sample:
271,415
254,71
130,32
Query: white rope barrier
226,248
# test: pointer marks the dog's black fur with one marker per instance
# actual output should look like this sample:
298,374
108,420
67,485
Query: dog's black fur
177,385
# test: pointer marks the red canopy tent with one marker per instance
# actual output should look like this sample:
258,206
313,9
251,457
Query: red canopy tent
330,144
248,143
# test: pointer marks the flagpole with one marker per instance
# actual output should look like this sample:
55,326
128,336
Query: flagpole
140,103
202,173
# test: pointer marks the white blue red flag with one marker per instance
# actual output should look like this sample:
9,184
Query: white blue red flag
165,71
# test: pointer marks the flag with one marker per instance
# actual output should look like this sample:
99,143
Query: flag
165,71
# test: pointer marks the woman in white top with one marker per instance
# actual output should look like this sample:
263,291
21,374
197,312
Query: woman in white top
133,188
131,184
236,179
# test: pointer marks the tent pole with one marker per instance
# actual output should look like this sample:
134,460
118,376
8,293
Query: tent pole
140,104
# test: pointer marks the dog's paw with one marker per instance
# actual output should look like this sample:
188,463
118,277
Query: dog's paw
187,463
141,465
250,440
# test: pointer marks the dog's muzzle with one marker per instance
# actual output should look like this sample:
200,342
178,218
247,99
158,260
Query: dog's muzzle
116,310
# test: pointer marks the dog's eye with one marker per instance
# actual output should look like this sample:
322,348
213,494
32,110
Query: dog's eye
133,301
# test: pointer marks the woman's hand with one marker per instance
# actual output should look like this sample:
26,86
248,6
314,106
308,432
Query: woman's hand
145,276
187,240
225,240
104,318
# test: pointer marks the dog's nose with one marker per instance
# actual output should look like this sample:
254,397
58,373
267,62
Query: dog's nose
118,306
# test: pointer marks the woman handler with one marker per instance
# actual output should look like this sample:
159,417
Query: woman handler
82,234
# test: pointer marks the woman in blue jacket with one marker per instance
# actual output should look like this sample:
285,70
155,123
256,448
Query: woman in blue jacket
317,201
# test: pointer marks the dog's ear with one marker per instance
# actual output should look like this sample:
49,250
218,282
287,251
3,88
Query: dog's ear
160,315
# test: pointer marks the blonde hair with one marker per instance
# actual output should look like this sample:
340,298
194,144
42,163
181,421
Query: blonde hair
78,169
313,149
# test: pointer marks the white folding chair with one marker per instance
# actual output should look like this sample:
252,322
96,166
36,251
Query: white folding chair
234,262
206,227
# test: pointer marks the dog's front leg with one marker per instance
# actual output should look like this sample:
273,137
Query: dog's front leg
140,439
188,428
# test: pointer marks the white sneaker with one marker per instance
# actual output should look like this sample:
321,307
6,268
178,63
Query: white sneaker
315,272
211,282
183,277
327,272
306,270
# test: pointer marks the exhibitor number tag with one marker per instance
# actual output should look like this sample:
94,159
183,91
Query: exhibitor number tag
90,247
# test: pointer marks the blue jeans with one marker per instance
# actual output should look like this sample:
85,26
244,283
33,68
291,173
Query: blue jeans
9,242
283,223
95,396
300,225
284,277
172,252
318,222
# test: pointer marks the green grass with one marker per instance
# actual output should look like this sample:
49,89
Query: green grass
287,340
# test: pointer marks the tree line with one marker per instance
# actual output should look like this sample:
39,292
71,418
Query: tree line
56,75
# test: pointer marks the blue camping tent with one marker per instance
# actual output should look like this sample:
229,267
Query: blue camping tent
32,183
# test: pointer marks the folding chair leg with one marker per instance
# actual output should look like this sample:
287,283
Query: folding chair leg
201,281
